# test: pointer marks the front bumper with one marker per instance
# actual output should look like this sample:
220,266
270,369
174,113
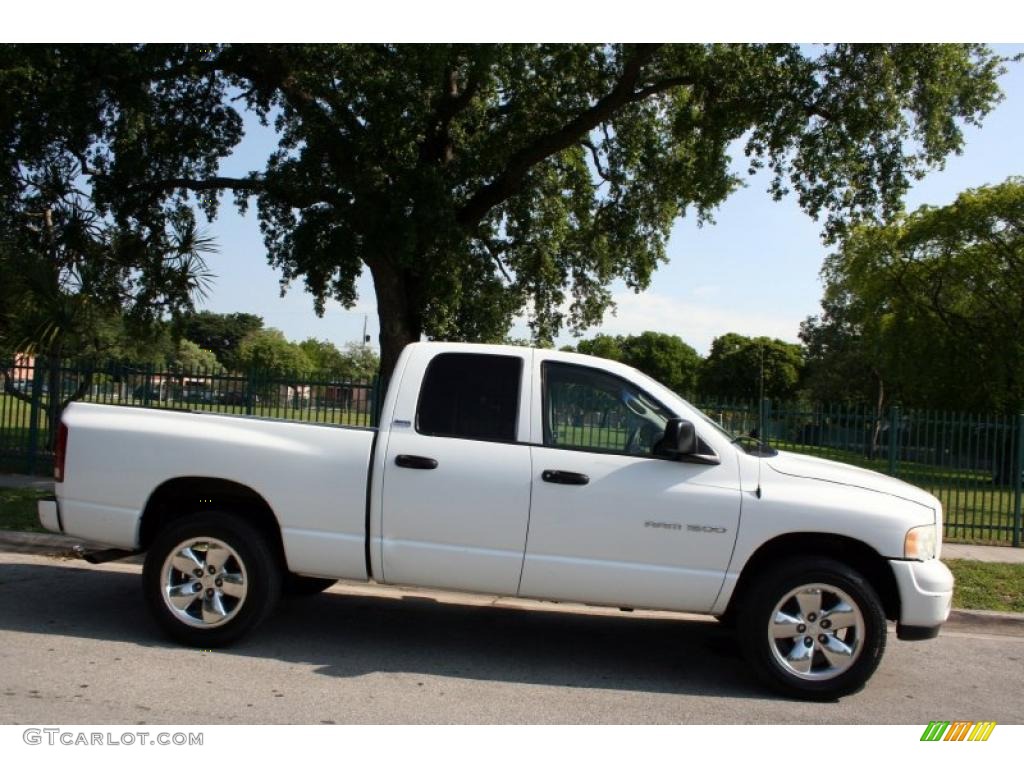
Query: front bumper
49,514
926,596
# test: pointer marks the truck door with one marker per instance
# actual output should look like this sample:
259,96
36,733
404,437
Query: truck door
456,485
611,522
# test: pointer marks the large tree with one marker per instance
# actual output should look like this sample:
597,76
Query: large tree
356,362
662,356
79,288
219,333
478,182
747,368
267,352
934,302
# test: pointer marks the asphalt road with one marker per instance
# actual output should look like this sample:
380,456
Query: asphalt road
76,646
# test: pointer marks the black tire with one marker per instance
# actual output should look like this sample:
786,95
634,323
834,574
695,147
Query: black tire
249,563
771,655
304,586
727,619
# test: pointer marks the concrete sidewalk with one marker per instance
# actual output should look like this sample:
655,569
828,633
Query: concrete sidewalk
982,552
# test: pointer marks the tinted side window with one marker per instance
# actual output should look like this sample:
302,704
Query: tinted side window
588,409
470,396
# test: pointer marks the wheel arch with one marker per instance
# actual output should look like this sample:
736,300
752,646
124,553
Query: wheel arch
854,553
182,496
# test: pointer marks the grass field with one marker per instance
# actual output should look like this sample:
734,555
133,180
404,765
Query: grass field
988,586
18,509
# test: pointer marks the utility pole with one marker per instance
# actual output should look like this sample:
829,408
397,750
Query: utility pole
366,338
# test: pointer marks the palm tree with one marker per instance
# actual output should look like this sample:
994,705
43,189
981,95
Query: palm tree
69,272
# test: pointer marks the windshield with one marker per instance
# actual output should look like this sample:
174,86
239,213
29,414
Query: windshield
722,430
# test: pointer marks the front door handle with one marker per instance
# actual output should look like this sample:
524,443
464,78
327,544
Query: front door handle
415,462
564,478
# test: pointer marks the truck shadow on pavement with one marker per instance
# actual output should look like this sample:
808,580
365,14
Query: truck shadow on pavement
349,636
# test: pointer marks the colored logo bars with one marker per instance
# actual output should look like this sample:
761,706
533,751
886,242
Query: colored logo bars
958,730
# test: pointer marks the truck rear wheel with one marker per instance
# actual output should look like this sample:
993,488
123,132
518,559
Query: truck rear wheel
813,629
209,578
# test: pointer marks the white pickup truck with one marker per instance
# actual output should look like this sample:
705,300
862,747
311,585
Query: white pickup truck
513,471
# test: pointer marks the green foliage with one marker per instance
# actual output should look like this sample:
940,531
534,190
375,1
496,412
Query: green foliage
219,333
733,368
932,303
478,181
323,356
602,345
191,357
267,351
78,286
356,363
361,362
665,358
988,586
18,509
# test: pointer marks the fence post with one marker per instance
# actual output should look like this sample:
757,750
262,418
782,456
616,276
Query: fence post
250,396
894,416
1017,481
33,414
376,391
147,385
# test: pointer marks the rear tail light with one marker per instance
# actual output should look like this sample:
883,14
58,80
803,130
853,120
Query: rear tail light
60,454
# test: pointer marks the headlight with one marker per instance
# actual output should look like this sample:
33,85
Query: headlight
920,543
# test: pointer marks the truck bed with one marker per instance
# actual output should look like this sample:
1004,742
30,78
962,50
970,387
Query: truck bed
313,477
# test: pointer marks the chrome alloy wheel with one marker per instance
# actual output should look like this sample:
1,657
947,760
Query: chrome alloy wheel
816,632
203,582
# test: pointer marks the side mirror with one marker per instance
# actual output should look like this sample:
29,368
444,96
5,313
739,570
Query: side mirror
680,438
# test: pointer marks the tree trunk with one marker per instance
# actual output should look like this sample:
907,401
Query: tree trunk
400,320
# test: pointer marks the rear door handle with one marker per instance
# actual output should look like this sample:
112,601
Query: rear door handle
415,462
563,477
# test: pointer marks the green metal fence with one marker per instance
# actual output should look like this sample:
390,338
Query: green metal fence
26,401
973,463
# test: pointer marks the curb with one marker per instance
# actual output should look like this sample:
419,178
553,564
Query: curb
30,542
992,622
960,619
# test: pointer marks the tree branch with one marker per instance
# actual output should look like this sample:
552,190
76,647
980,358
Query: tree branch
508,181
597,159
437,144
492,249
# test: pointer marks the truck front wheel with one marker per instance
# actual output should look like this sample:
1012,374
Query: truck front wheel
812,628
209,578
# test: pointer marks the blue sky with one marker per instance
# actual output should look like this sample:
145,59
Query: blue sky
755,271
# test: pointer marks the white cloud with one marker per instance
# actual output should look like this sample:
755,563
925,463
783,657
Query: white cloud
705,291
